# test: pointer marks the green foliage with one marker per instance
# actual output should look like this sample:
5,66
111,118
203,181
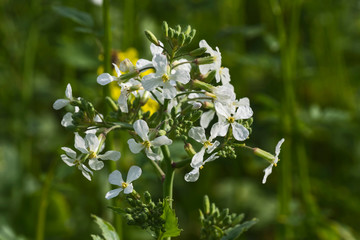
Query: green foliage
171,224
108,231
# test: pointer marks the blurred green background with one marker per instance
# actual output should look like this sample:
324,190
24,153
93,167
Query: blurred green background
297,61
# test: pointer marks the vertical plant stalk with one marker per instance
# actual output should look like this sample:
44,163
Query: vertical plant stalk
106,92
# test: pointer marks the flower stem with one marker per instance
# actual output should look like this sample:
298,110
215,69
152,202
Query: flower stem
169,176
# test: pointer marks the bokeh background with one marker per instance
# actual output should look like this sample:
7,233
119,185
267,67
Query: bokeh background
297,61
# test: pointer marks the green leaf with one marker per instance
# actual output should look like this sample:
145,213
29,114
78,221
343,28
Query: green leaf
235,232
96,237
108,231
171,222
75,15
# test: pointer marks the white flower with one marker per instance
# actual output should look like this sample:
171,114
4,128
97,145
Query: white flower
165,78
227,116
125,92
222,74
67,120
106,78
142,129
268,170
115,178
71,159
60,103
198,134
193,175
91,146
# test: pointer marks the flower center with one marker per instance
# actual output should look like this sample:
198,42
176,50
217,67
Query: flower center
231,119
124,185
147,144
201,167
165,77
207,144
92,155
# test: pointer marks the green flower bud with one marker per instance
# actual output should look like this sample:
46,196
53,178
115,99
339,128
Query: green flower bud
204,60
266,155
224,213
206,205
198,52
165,29
152,37
187,30
112,104
181,39
208,77
227,220
202,85
178,29
238,219
201,216
171,33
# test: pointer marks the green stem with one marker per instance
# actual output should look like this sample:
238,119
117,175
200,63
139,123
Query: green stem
169,176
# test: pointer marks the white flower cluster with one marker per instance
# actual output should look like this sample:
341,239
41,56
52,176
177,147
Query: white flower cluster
171,83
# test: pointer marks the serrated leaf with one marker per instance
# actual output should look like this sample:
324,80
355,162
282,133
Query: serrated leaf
171,222
75,15
235,232
108,231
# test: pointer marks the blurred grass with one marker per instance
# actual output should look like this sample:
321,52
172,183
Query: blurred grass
299,67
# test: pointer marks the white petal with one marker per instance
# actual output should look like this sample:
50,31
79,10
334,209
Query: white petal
181,76
160,64
198,134
133,174
213,147
71,153
192,176
156,49
160,141
86,175
122,101
110,155
80,144
67,120
211,158
117,70
239,131
224,111
92,142
104,79
224,75
96,164
143,63
197,159
60,103
85,171
68,91
215,131
152,156
67,160
151,81
134,146
142,129
204,44
113,193
115,178
129,189
277,149
267,171
206,118
222,128
169,91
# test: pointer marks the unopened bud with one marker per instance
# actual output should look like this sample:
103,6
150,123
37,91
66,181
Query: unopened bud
171,33
181,39
198,52
209,76
224,213
152,37
112,104
192,33
208,105
206,205
187,30
227,220
266,155
238,219
147,197
201,216
189,150
204,60
165,29
202,85
127,76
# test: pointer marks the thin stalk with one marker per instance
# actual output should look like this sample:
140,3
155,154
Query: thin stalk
169,176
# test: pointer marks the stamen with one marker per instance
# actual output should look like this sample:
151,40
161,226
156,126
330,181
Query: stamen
147,144
92,155
207,144
201,167
231,119
124,185
165,77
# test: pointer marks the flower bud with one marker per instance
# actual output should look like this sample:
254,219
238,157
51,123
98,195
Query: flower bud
187,30
162,132
202,85
129,75
165,29
206,205
201,216
198,52
266,155
181,39
238,219
189,150
204,60
209,76
192,33
112,104
171,33
152,37
147,197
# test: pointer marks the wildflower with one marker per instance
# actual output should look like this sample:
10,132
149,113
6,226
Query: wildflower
115,178
106,78
142,129
222,74
60,103
268,170
227,116
125,92
198,134
165,78
194,174
71,159
91,146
